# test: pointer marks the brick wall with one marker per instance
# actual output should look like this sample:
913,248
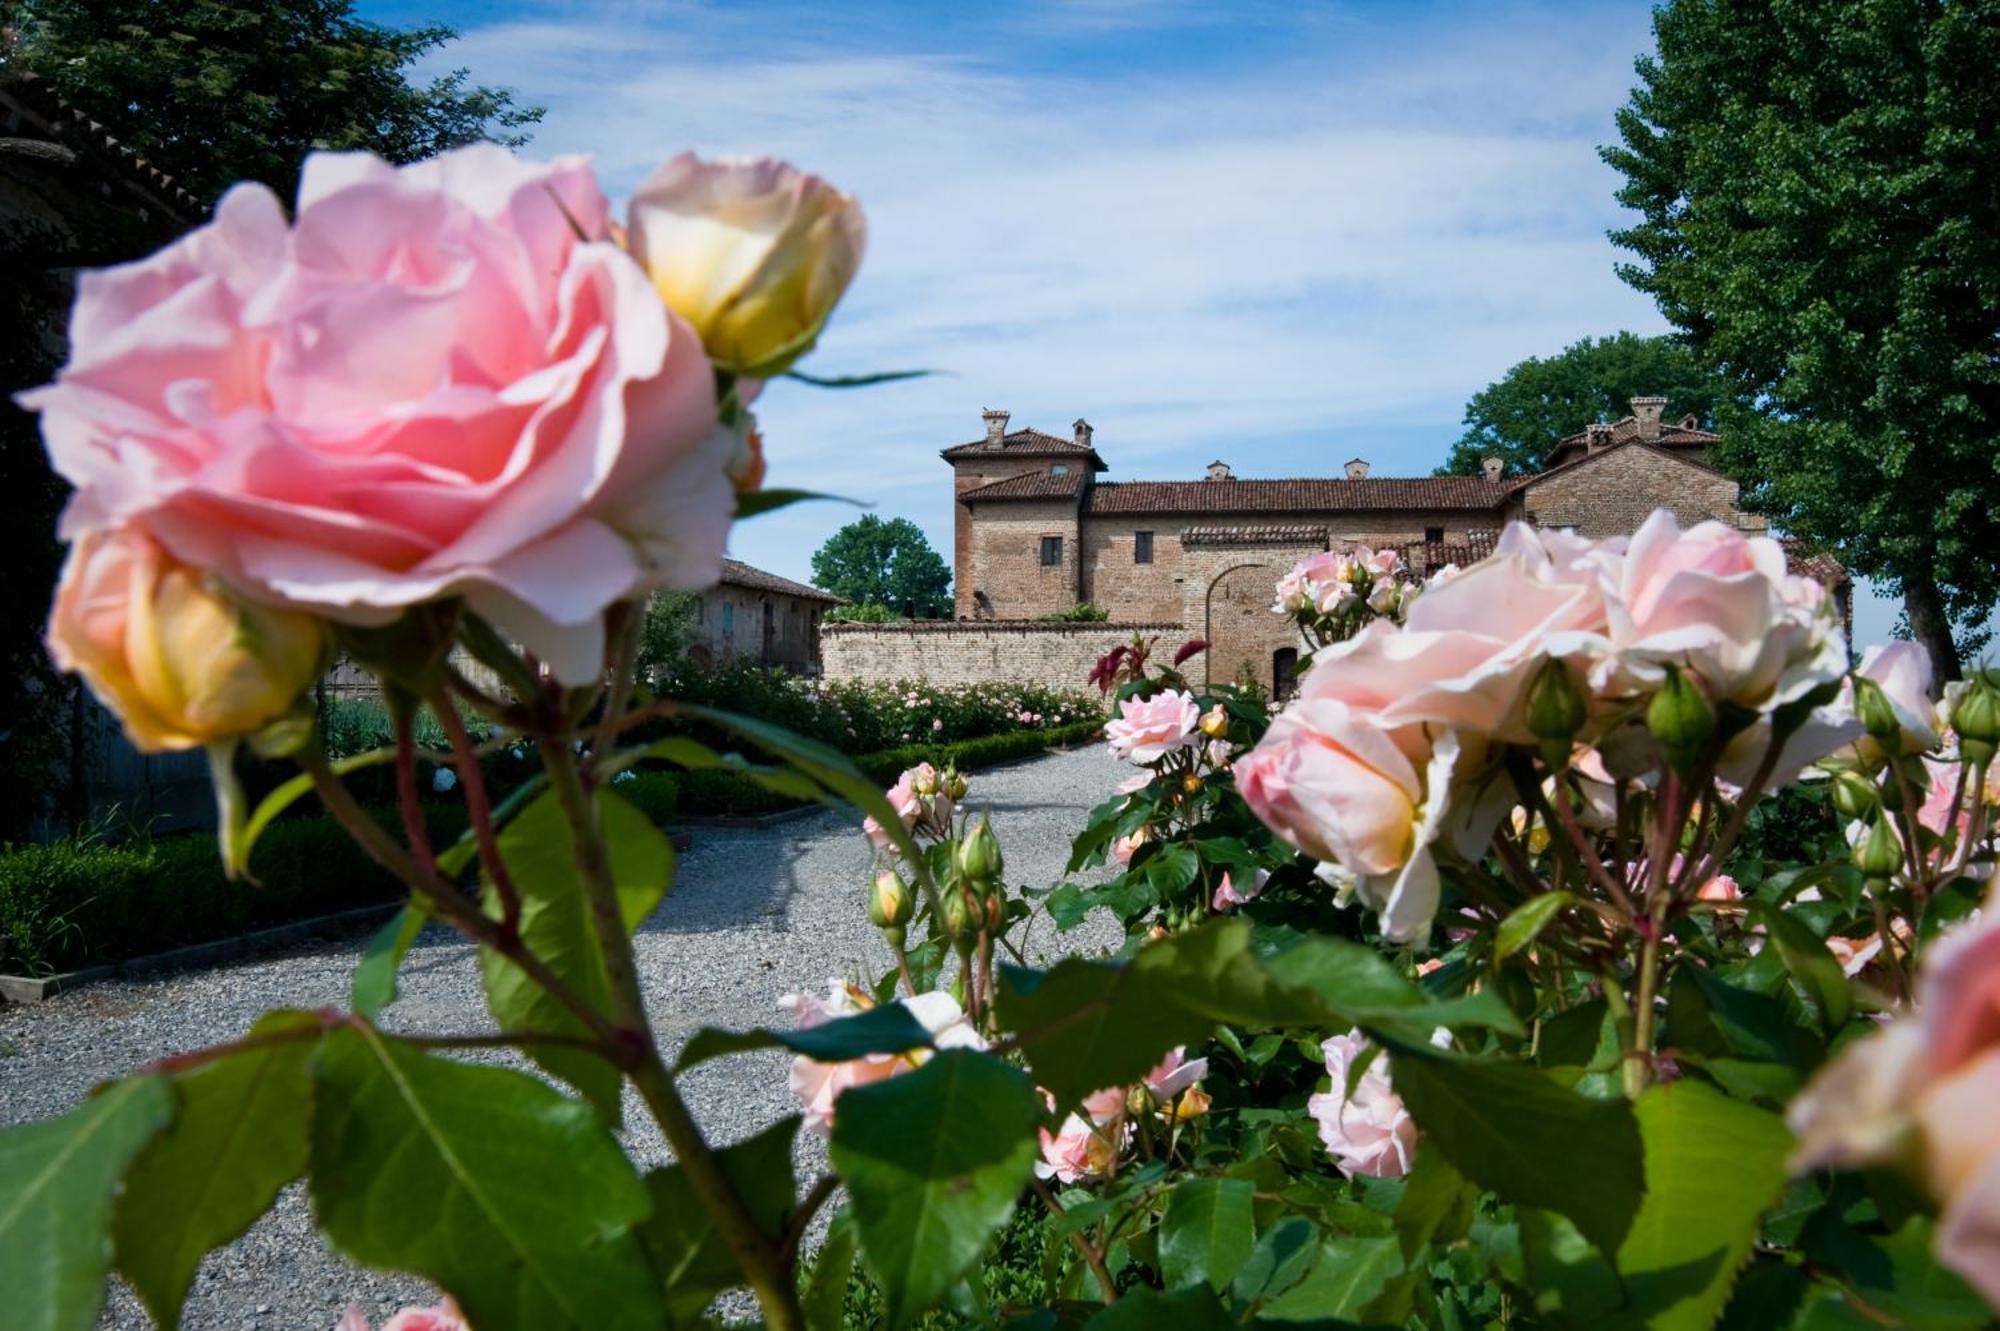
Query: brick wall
1057,655
970,474
1006,567
730,624
1613,492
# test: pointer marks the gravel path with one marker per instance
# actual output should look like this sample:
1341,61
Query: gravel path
755,914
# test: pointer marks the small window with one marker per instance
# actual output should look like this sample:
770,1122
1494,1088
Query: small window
1051,551
1142,547
701,610
1433,536
1059,469
729,616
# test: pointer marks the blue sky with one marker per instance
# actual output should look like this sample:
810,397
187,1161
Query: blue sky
1283,235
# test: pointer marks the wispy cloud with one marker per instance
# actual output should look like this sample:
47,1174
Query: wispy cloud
1286,239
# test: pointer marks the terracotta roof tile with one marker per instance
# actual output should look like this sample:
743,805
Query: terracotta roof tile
1284,534
1031,485
736,573
1301,495
1023,443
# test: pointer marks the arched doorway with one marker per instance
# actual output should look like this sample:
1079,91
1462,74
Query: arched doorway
1284,672
1244,636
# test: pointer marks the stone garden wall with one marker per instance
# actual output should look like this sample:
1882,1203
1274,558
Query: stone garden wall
972,652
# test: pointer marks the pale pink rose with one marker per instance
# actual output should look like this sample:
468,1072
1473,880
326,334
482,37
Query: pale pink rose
937,724
1137,781
818,1086
1125,847
1721,605
1175,1074
1720,888
920,801
1368,1132
1902,670
427,385
1085,1145
1148,729
1379,563
1228,896
444,1317
1333,784
1934,1076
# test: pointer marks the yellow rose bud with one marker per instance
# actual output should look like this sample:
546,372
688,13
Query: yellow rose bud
754,254
1215,722
180,661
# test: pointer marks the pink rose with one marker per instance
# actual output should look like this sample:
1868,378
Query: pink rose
1125,847
1148,729
1228,896
427,385
1937,1074
1719,888
1368,1132
1721,605
1085,1145
444,1317
818,1086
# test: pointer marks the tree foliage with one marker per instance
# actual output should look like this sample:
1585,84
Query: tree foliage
1523,414
871,561
1818,217
217,91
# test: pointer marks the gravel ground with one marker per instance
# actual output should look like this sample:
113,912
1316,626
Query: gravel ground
754,915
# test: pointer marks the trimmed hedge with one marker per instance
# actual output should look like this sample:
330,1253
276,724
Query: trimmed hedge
75,903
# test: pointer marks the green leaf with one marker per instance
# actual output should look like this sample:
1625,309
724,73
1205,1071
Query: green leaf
374,983
1574,1282
693,1261
1713,1166
1806,956
1207,1231
238,1136
57,1177
511,1197
856,380
770,501
289,792
1147,1309
1510,1129
1088,1024
933,1161
1348,1275
1280,1260
825,1299
888,1029
1526,921
556,926
1435,1201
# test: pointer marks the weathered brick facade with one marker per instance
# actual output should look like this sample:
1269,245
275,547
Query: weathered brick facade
1036,532
759,616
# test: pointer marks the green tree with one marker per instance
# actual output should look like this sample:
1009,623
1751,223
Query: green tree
216,91
1520,417
1819,216
873,562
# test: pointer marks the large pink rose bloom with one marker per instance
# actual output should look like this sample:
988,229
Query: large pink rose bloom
1148,729
439,380
1923,1091
1720,604
818,1086
1368,1132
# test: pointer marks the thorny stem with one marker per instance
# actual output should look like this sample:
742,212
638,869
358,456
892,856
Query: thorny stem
624,624
1585,854
1639,1067
768,1276
407,799
1091,1256
447,901
816,1196
480,809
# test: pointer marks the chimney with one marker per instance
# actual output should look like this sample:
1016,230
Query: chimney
1357,469
1596,435
1082,428
1218,470
1492,467
1648,410
996,425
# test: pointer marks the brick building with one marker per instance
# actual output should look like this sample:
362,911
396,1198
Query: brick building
1037,532
759,616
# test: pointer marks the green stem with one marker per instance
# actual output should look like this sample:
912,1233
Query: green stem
755,1252
1639,1060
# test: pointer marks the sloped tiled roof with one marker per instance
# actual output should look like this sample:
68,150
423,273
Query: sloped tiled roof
1023,443
1822,568
1299,495
1627,431
1030,485
1519,483
736,573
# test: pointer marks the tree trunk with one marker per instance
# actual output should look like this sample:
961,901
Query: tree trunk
1931,627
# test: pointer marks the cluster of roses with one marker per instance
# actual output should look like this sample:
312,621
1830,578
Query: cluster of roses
1692,656
454,384
1334,594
